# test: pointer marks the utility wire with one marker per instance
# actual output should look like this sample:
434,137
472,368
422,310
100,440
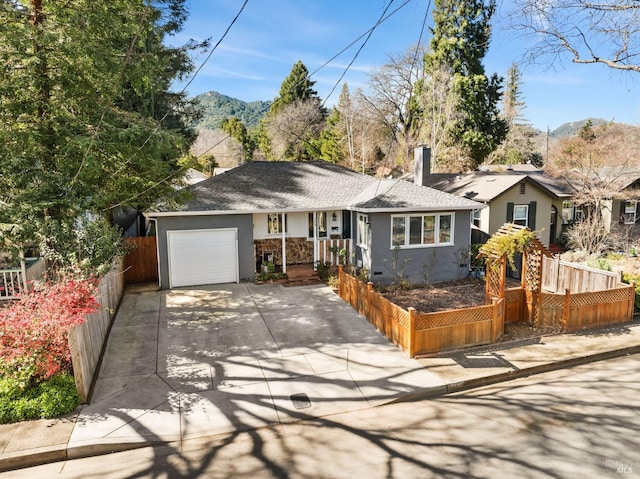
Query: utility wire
188,83
413,65
366,34
213,49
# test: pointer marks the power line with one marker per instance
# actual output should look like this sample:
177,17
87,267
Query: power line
367,34
157,128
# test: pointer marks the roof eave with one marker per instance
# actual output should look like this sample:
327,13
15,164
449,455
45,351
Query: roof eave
409,209
239,212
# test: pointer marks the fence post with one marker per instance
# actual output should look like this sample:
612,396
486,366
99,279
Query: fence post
340,280
566,309
412,331
495,326
367,312
632,301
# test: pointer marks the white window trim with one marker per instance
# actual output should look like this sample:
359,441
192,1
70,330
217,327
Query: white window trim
628,213
365,218
436,243
526,216
281,220
316,215
476,216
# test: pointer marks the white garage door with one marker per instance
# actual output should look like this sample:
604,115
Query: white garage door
202,257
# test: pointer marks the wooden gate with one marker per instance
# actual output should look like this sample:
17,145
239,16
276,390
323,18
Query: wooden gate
141,262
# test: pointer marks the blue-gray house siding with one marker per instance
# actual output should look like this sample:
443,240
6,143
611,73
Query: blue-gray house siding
417,265
244,224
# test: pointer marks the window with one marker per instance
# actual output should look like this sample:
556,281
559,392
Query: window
476,218
321,218
571,212
421,230
630,212
363,230
521,215
567,212
274,223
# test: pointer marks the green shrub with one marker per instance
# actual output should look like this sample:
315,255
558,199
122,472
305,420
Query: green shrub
51,398
629,278
599,263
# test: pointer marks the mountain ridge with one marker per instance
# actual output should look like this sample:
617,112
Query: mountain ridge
217,106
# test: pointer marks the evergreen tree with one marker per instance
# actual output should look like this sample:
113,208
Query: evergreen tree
87,122
328,146
460,41
295,120
345,125
236,130
297,86
518,145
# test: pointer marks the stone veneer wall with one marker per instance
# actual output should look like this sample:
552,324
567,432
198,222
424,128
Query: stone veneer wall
299,250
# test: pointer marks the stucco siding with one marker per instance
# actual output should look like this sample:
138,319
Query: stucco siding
244,224
498,213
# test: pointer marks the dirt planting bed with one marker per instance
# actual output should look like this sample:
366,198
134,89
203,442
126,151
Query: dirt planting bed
465,293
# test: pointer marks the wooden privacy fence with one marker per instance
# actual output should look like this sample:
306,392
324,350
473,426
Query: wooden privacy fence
423,333
575,311
558,276
87,339
141,262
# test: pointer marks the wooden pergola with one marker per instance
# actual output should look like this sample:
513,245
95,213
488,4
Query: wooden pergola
531,276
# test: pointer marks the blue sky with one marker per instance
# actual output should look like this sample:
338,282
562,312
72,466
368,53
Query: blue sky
271,35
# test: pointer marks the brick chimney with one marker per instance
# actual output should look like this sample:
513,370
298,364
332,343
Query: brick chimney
421,164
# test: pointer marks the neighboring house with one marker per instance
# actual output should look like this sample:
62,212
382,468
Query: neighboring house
134,224
617,190
285,212
524,196
624,204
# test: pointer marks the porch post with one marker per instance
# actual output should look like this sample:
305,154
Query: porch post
316,249
284,242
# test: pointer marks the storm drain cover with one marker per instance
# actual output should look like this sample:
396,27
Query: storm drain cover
300,401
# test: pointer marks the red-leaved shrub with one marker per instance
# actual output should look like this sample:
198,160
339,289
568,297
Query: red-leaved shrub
33,330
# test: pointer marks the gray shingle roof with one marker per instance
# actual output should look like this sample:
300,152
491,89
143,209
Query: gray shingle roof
398,194
485,186
315,185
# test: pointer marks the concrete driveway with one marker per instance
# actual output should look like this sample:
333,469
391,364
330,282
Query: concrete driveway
223,359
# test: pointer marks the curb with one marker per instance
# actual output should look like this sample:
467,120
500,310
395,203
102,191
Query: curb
13,461
474,383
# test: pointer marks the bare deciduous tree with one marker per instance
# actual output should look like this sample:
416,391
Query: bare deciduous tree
438,102
393,97
601,31
227,151
293,127
584,162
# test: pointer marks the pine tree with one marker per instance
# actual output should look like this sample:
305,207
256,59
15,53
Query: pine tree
460,41
295,120
87,122
297,86
518,145
236,130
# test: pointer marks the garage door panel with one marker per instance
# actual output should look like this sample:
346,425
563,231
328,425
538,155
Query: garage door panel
202,257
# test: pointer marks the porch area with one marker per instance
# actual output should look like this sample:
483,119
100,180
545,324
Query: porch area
299,252
16,279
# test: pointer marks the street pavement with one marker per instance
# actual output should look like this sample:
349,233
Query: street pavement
581,422
206,364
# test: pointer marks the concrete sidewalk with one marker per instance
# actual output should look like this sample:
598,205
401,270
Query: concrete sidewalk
179,366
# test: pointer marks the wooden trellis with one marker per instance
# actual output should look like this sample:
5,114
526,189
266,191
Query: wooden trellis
496,276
